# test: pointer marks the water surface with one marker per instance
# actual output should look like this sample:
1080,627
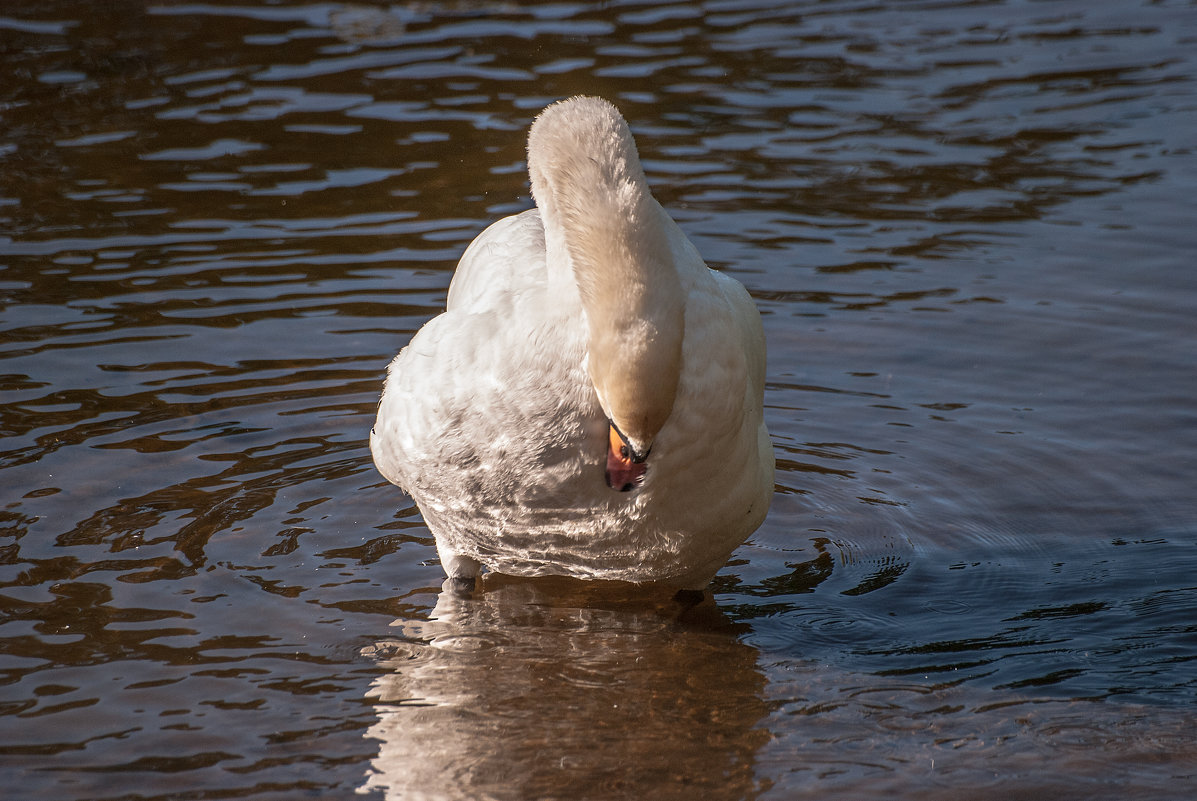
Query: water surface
968,227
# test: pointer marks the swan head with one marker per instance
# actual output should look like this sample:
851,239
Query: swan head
635,364
603,225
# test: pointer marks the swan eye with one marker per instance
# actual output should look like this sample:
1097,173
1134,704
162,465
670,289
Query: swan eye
620,446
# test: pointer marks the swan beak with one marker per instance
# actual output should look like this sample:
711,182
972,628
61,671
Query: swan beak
625,467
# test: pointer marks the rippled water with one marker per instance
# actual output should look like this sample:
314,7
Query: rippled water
968,226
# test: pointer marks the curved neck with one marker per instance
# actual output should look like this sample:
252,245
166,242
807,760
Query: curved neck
602,223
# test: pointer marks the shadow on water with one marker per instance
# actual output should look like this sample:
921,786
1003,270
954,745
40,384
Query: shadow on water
553,689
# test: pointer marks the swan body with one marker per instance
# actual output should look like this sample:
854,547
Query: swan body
590,402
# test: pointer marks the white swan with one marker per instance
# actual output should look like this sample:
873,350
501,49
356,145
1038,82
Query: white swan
590,402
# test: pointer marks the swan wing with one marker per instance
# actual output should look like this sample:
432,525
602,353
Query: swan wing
495,365
751,333
508,257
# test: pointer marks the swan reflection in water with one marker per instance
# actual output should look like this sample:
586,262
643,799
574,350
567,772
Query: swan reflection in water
540,688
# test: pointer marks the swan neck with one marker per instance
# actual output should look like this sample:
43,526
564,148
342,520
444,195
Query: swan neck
604,229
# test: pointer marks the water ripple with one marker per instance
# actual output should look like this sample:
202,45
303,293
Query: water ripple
966,230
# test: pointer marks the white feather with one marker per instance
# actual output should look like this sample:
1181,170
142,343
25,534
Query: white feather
491,419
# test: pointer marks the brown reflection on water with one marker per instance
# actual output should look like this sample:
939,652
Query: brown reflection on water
554,689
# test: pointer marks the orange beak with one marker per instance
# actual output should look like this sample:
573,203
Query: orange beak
623,471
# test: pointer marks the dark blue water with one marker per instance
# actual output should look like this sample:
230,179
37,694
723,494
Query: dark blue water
968,227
